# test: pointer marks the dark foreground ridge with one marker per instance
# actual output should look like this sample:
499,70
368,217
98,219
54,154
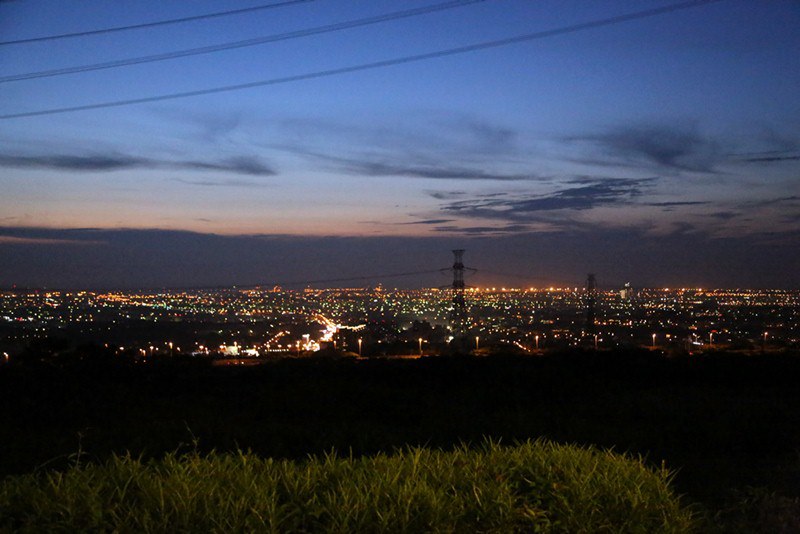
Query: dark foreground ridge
726,423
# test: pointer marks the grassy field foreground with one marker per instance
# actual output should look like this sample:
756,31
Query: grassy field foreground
533,486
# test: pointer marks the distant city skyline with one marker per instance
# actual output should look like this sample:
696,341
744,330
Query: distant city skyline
661,151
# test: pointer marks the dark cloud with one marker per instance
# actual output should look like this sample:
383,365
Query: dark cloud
239,165
375,167
109,162
664,147
673,204
587,195
780,141
445,195
164,258
116,162
429,221
771,159
483,230
776,147
27,240
793,199
222,183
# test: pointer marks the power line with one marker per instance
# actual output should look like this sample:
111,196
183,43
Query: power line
153,24
329,28
376,64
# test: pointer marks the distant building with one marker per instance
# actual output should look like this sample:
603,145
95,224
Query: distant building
626,292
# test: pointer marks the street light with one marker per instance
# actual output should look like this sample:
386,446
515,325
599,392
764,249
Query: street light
420,346
595,342
359,346
477,339
537,342
711,339
654,341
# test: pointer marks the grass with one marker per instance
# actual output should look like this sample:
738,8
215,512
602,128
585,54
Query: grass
535,486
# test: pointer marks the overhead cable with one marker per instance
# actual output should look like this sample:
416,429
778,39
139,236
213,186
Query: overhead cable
153,24
373,65
328,28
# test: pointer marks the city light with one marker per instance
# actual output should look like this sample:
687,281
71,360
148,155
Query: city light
254,323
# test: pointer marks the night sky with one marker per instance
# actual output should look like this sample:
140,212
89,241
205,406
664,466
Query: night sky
663,150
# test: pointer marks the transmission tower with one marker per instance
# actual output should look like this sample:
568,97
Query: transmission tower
591,300
458,315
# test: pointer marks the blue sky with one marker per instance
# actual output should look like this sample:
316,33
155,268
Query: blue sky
681,128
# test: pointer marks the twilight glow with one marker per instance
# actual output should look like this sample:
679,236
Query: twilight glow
664,150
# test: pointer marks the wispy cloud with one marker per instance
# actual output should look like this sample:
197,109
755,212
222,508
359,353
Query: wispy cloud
674,204
483,230
116,162
587,195
428,221
97,162
15,240
239,165
222,183
376,167
433,133
490,138
445,195
772,159
779,201
665,147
